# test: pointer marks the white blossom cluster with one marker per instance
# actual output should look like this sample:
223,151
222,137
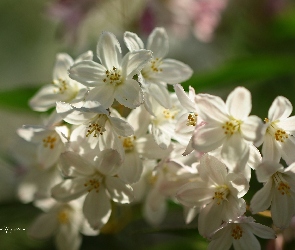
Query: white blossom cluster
116,134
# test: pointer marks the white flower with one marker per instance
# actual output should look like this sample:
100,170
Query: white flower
158,71
65,222
279,138
113,78
95,121
138,146
227,124
167,177
50,138
62,88
218,194
240,233
96,179
163,122
188,122
278,192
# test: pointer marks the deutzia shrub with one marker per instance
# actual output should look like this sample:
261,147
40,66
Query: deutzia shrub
116,134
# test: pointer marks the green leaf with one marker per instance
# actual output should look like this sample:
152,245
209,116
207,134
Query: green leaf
17,98
244,70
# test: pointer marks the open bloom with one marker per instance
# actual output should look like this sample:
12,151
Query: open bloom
63,88
279,138
113,78
227,124
218,194
240,233
49,138
65,222
96,178
158,71
138,146
278,192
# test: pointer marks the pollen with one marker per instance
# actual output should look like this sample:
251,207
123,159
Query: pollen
282,185
97,127
155,65
113,77
237,232
61,85
279,134
49,141
220,194
63,217
92,184
231,127
192,119
128,143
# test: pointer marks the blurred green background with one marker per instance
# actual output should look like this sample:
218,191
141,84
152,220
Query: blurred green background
254,46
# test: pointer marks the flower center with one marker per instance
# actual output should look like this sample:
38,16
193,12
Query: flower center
61,85
281,184
153,67
128,142
231,126
93,184
192,119
63,217
97,127
237,232
278,133
49,141
220,194
113,77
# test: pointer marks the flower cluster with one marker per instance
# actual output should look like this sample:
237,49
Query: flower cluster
117,135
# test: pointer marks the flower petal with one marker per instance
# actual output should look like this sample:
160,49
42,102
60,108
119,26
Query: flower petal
108,50
46,98
247,241
184,99
282,209
108,162
104,94
212,108
173,71
62,64
161,94
270,149
148,148
131,169
129,94
88,73
121,127
69,189
287,149
72,164
262,198
239,103
234,149
38,231
133,62
280,109
261,231
158,42
132,41
195,194
210,218
97,208
223,242
119,191
252,130
208,137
